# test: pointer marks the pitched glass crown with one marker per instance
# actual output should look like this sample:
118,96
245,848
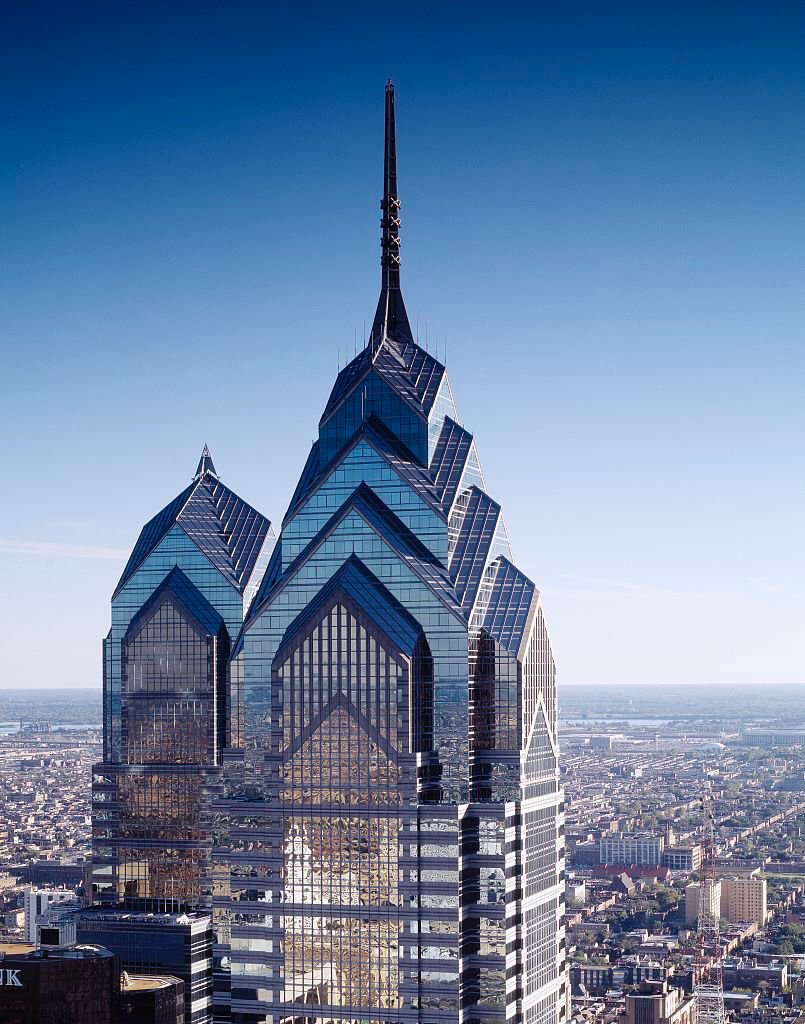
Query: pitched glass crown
223,526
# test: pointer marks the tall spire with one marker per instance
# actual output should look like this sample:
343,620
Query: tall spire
205,464
391,320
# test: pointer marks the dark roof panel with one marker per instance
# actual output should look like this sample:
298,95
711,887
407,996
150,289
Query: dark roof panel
475,536
509,605
449,459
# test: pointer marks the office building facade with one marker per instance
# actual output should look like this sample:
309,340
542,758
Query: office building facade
176,611
35,902
693,892
643,849
774,737
682,858
745,900
154,944
400,854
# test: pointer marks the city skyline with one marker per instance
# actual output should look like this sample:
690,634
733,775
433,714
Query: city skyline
594,238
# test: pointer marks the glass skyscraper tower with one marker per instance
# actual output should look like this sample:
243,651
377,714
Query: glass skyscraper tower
167,716
394,815
342,742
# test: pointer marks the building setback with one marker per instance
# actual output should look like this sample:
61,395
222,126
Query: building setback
396,684
343,744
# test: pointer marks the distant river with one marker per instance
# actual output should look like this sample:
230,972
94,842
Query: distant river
10,728
613,720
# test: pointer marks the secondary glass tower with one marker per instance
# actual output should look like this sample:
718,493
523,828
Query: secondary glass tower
391,793
167,716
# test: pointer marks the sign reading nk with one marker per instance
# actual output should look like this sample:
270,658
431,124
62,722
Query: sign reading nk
8,977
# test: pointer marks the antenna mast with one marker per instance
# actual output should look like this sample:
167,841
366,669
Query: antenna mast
708,980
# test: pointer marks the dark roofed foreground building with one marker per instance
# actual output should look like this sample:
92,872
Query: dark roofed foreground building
71,985
151,1000
347,750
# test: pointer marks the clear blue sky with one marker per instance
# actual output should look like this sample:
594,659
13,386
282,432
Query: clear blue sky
603,216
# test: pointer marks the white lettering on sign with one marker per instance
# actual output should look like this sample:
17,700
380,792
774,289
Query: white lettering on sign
8,977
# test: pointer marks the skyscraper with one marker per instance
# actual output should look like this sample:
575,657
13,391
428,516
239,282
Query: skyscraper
392,795
167,718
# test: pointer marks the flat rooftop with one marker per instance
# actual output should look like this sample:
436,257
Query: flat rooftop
142,983
83,951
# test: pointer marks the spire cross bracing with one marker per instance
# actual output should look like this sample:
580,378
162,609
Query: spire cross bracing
391,320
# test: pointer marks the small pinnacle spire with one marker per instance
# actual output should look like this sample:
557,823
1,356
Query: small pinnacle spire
205,465
391,320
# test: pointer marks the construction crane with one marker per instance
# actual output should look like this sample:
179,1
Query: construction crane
707,979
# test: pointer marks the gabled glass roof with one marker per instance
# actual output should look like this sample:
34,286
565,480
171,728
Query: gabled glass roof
188,596
346,380
223,526
369,593
310,473
413,373
411,550
389,447
152,533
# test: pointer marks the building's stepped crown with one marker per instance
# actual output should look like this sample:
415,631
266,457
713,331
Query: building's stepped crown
395,398
224,527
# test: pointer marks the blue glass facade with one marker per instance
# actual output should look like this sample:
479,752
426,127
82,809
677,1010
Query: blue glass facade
394,814
377,831
168,716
